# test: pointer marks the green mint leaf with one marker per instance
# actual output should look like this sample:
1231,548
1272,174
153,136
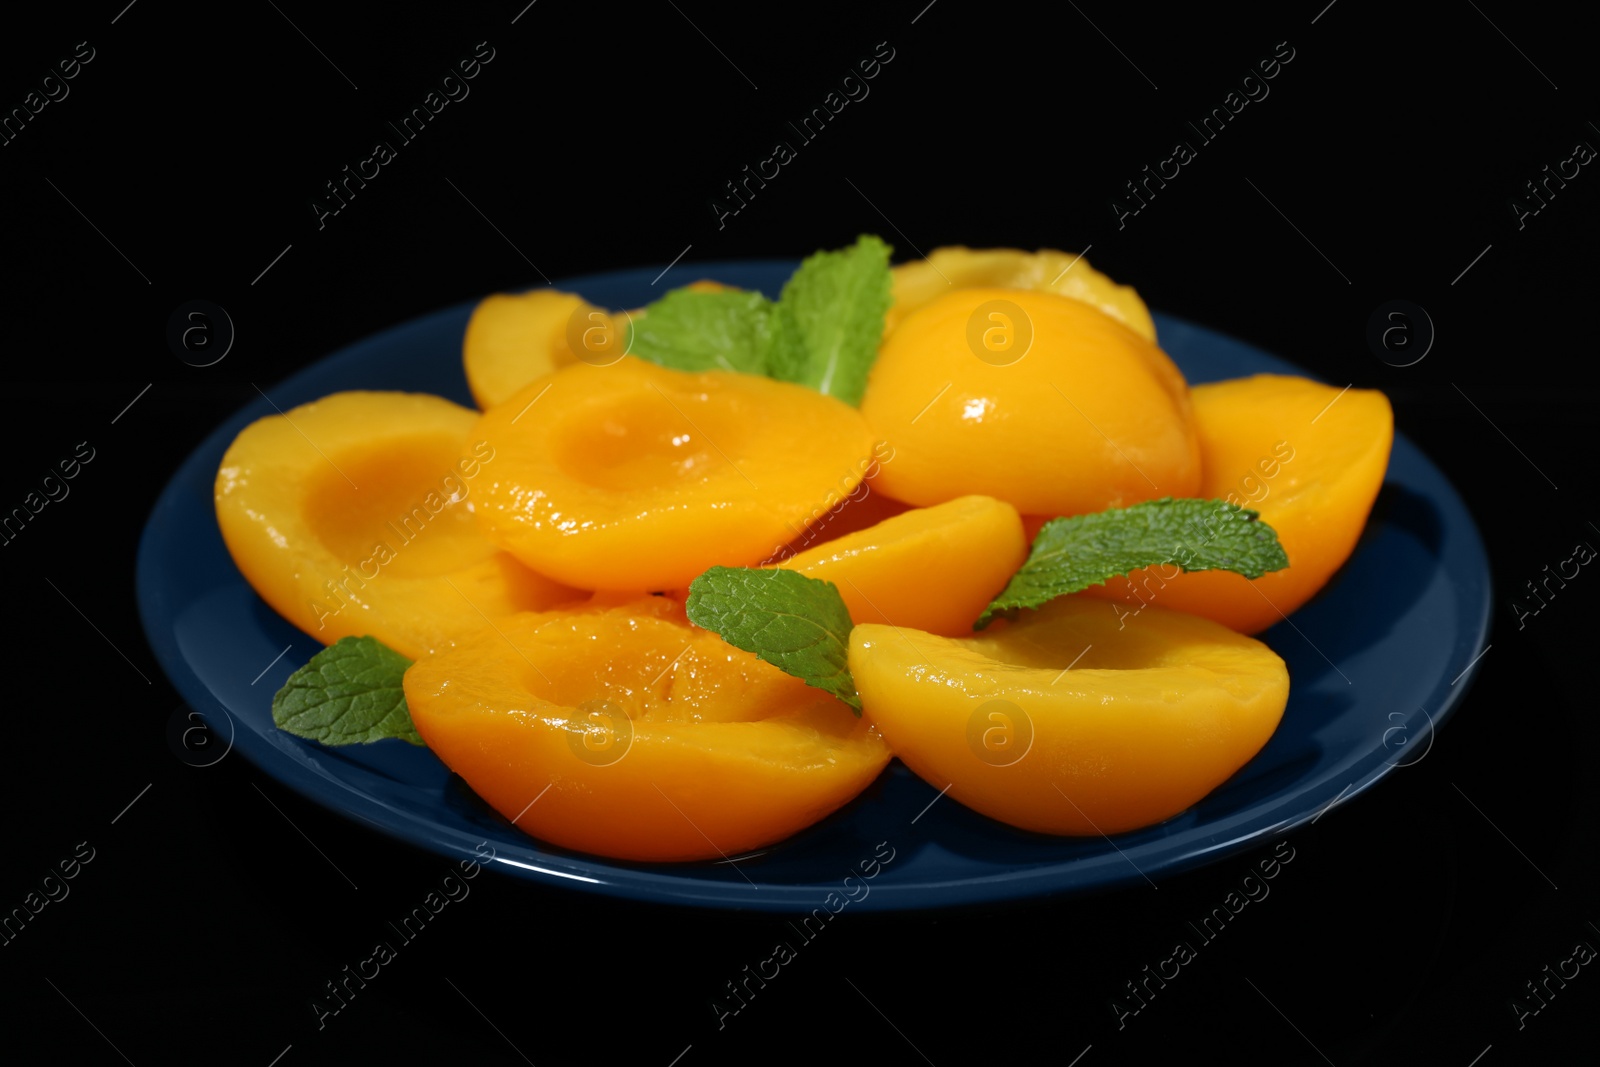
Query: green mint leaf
823,332
349,692
1072,554
831,319
799,625
692,331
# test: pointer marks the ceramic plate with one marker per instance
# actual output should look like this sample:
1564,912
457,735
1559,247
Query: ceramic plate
1377,662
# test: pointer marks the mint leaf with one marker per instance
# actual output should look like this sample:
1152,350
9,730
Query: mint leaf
348,692
822,332
831,319
799,625
693,331
1072,554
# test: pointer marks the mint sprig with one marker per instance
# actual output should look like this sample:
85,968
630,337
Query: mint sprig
349,692
694,331
1071,554
799,625
832,310
822,331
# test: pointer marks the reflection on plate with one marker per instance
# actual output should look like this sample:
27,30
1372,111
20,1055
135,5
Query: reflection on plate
1376,662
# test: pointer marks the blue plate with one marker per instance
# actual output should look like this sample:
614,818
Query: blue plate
1377,662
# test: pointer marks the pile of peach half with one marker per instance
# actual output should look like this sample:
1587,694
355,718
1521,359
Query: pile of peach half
532,558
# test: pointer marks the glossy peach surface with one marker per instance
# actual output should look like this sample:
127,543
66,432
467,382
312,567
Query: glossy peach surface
635,477
620,729
352,515
1310,458
1035,398
966,550
1064,723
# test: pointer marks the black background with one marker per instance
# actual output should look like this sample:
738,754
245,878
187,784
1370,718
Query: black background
185,159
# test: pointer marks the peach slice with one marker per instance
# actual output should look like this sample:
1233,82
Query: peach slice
1061,722
620,729
513,339
635,477
932,569
1034,398
1310,458
352,515
920,282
